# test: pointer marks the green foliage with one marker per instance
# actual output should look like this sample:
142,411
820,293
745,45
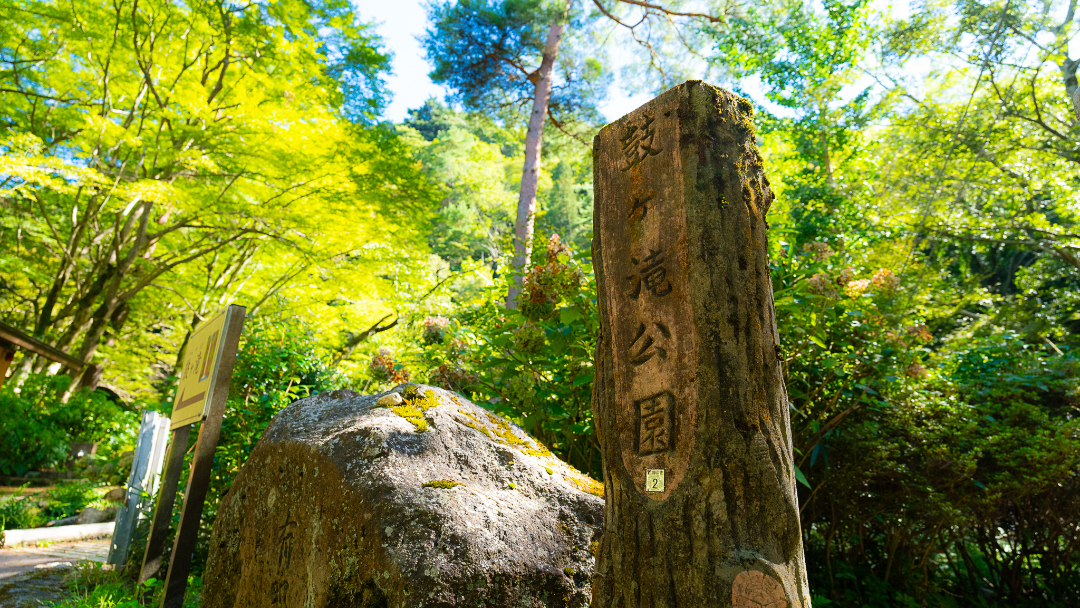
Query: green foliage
931,404
475,215
39,427
242,167
19,513
105,468
569,205
959,488
532,364
68,498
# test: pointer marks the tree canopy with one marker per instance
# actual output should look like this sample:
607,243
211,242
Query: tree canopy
171,156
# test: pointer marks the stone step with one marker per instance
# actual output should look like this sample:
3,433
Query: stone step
58,533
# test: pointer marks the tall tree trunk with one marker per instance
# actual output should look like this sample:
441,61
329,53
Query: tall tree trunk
1068,66
690,405
1068,76
530,172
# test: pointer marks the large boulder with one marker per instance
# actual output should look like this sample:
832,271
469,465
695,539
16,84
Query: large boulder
411,498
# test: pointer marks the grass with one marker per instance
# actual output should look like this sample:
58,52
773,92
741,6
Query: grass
94,587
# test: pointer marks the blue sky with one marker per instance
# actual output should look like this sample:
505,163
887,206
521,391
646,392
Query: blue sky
400,22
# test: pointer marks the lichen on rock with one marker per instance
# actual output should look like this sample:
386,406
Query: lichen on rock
472,512
409,405
445,484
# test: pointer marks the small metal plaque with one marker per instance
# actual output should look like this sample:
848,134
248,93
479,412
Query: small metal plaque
654,480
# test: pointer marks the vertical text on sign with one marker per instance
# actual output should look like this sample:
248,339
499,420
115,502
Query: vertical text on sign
208,356
642,237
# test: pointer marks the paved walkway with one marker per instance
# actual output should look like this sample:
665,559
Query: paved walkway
30,575
19,560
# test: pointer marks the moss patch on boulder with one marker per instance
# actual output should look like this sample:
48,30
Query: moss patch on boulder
445,484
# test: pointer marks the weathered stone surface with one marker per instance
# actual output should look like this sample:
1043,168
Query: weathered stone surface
63,521
689,400
91,515
331,511
117,495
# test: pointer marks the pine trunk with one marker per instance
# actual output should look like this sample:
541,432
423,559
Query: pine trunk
530,172
690,405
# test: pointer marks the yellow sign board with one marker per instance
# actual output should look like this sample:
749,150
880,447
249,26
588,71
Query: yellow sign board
199,371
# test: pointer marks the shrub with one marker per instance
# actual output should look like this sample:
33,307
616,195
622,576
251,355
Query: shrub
384,369
68,498
112,469
38,428
963,486
534,364
435,329
20,512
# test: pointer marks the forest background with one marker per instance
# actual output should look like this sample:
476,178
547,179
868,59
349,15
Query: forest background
159,161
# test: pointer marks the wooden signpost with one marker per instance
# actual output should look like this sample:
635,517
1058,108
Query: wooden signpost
690,406
200,396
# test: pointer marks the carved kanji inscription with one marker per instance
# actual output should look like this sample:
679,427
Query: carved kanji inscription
654,427
651,273
283,550
638,140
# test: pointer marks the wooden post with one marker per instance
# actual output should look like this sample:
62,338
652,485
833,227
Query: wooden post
203,461
7,353
159,526
690,405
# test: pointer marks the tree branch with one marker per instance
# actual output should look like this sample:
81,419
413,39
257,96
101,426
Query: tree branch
347,350
660,9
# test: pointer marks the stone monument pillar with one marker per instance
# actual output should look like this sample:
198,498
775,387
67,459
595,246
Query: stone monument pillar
690,406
